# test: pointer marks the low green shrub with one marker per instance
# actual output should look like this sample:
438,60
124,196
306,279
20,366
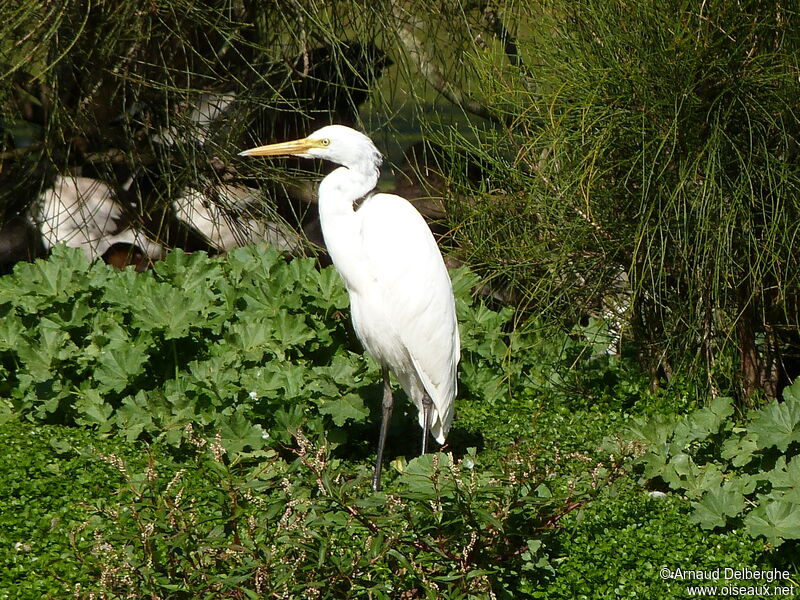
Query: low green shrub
735,474
305,525
216,343
616,547
258,410
48,476
250,346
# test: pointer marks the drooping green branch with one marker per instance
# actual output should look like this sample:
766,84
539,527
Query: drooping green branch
408,27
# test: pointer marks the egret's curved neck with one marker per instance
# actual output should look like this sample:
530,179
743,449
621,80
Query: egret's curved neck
341,188
341,226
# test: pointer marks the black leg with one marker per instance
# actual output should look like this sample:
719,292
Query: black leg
427,404
388,402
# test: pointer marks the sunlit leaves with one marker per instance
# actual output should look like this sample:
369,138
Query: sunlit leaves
93,410
747,472
718,504
11,329
118,364
775,521
39,285
199,338
348,407
238,432
151,352
40,353
778,424
703,422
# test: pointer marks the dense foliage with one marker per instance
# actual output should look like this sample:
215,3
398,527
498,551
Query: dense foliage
631,161
623,176
82,516
747,473
195,341
243,345
649,176
255,478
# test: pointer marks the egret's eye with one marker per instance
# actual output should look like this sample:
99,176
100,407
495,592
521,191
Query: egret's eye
325,142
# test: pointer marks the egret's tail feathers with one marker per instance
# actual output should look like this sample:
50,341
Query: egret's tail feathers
439,425
442,396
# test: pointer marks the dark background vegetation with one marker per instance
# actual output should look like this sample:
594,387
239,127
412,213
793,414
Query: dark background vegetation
630,161
622,177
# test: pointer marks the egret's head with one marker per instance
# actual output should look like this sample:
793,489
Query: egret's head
336,143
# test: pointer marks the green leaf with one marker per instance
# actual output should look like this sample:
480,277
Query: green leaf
291,329
35,286
93,410
254,337
345,372
716,505
739,449
39,355
654,432
279,380
238,432
681,472
792,393
118,364
703,422
423,473
172,310
191,273
11,332
785,475
778,423
135,415
785,479
776,520
464,281
332,293
349,406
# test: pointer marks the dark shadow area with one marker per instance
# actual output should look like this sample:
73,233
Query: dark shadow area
359,441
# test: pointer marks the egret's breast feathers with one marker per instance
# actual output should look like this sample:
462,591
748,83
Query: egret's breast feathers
407,318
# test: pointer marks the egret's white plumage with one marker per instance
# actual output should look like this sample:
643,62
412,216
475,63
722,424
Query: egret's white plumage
400,293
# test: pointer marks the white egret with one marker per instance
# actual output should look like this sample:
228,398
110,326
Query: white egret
401,297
